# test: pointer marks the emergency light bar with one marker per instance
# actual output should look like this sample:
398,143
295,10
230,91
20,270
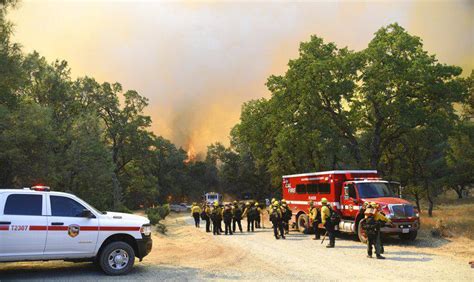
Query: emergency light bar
41,188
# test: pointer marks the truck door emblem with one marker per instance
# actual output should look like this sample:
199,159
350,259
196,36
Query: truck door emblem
73,230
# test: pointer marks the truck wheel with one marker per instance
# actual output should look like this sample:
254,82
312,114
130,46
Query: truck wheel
361,231
303,221
408,236
117,258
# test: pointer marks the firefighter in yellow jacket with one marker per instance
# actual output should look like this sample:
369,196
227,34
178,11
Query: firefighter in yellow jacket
196,213
315,217
374,220
326,221
207,217
276,217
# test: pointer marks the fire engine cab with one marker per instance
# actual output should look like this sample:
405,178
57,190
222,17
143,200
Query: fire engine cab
346,192
37,224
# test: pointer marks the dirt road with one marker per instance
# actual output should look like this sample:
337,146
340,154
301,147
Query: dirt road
187,253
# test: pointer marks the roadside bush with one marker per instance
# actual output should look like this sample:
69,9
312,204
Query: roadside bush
156,214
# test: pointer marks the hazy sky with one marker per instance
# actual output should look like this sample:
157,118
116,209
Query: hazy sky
197,62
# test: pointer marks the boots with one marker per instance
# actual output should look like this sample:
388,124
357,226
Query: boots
380,257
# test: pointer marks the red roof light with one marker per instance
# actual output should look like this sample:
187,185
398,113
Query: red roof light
41,188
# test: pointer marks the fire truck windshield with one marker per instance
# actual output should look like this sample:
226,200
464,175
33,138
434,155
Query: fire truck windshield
374,190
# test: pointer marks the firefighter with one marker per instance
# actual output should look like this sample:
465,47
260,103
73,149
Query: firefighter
227,214
315,217
276,218
258,217
237,217
250,213
216,216
206,215
373,221
286,216
327,222
196,213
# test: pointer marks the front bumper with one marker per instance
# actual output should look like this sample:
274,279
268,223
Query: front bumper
144,246
401,227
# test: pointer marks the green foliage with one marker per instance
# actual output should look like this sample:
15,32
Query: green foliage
388,107
157,213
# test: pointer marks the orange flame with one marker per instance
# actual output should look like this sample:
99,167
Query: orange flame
191,154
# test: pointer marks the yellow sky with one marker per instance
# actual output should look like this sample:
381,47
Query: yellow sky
197,62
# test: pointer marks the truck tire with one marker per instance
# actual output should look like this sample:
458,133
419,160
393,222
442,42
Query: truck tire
408,236
361,232
117,258
303,222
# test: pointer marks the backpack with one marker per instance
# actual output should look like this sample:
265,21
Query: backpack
216,214
288,214
275,215
238,213
253,212
204,216
227,215
371,226
334,217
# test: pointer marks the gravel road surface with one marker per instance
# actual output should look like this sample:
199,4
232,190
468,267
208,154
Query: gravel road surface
188,253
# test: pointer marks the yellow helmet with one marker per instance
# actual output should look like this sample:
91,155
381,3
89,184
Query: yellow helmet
247,203
256,204
324,201
235,202
194,203
216,204
273,200
374,205
283,201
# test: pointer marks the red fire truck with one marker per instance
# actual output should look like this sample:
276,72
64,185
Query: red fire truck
346,191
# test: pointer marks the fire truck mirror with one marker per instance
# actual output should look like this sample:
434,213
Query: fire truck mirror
346,192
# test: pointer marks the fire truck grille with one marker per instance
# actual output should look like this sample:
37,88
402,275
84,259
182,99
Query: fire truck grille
402,211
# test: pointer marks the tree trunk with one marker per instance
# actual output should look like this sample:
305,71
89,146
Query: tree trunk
459,191
117,190
417,200
431,204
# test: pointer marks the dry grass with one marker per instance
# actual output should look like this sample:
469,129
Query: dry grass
451,217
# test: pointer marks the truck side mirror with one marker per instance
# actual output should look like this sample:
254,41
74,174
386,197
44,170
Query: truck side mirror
87,213
346,192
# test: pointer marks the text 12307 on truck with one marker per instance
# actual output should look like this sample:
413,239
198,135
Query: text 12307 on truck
36,224
346,192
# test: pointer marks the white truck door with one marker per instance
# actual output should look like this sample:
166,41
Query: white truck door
22,226
70,233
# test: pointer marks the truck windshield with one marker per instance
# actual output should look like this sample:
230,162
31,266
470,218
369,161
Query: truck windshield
374,190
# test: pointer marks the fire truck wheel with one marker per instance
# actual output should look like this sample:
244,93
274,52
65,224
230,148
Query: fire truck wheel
303,221
117,258
409,236
361,231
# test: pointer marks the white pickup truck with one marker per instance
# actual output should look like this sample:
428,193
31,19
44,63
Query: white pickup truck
36,224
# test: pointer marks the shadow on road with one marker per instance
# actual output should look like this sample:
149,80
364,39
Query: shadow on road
87,271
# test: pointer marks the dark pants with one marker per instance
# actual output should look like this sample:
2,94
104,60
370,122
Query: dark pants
278,227
379,239
216,227
286,226
197,219
331,233
228,228
257,222
373,240
250,224
208,225
316,230
236,222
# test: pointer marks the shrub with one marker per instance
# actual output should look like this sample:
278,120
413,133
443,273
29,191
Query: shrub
156,214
